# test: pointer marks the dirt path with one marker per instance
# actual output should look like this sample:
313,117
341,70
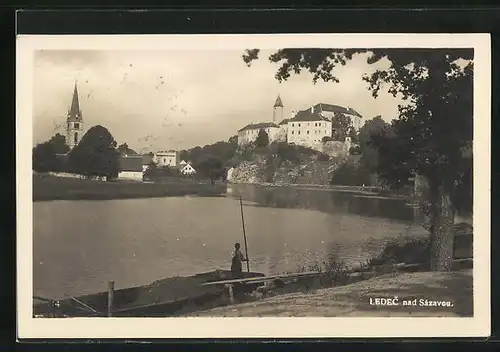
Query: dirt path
354,299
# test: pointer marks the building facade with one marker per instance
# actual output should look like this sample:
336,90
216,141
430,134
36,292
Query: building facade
131,167
74,121
308,128
250,132
188,169
329,111
166,158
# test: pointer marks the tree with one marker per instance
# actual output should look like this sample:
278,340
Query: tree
233,140
96,154
45,155
262,139
59,144
125,150
208,166
341,126
438,95
350,175
371,129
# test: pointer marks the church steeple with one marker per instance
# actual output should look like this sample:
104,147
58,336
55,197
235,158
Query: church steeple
74,113
278,102
278,105
74,122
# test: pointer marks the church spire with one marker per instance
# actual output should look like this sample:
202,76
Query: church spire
278,105
74,112
278,102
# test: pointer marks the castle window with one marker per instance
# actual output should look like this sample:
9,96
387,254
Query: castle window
298,132
77,125
292,124
299,124
308,132
292,132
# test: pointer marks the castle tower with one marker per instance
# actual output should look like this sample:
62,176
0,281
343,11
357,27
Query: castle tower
74,122
278,109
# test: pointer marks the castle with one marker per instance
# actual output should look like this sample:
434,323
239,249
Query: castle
307,127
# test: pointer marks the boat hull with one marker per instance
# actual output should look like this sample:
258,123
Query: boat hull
160,298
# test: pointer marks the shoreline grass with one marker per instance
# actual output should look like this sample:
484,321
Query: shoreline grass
49,188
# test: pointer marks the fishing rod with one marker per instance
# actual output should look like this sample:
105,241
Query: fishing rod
244,235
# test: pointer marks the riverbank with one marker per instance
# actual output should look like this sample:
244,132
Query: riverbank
422,288
47,187
359,191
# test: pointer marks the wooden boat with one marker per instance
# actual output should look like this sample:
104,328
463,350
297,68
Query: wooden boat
166,297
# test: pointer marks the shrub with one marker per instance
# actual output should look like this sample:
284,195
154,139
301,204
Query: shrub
351,175
332,269
403,250
355,150
323,157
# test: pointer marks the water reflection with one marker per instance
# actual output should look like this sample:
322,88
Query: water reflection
326,201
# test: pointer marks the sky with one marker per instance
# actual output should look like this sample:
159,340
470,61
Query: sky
157,100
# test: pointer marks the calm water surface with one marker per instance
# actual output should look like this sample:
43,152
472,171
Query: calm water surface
80,245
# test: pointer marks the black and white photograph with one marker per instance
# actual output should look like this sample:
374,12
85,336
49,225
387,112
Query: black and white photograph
319,179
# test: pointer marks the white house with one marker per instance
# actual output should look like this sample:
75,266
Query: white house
182,163
166,158
131,167
329,110
250,132
308,128
188,170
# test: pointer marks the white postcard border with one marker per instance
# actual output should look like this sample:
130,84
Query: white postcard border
133,328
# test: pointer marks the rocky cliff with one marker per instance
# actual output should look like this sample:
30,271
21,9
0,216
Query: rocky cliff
270,170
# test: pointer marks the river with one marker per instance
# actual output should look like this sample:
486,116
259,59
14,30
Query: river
80,245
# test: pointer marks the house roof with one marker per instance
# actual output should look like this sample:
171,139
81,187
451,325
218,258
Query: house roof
284,122
147,159
255,126
307,115
335,108
131,163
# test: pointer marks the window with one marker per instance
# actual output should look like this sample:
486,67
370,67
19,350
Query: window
299,124
298,132
292,132
76,125
307,131
76,138
292,124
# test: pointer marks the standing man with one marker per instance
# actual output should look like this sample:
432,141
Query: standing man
236,262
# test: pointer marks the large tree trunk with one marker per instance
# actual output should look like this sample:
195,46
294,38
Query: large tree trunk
441,237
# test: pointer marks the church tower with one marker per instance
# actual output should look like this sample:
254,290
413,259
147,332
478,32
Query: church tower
74,122
278,109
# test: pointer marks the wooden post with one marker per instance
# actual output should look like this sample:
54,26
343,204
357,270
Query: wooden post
111,289
244,235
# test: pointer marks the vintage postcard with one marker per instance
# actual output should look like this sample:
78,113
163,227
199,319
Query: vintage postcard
241,186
